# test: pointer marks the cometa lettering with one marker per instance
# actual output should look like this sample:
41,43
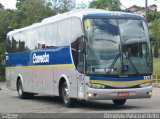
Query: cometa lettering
40,58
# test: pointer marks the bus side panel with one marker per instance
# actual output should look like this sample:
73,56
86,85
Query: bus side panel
37,80
65,69
48,84
16,63
73,82
39,77
43,80
13,79
42,75
8,77
70,73
26,77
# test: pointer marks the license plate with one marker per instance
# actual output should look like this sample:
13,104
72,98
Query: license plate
123,94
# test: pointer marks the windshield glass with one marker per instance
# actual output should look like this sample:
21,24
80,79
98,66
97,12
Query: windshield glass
135,46
117,46
103,46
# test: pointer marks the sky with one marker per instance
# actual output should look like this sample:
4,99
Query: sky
127,3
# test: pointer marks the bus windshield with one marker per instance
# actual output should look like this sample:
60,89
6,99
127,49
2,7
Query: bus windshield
117,46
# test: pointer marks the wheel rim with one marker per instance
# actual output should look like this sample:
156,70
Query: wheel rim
66,94
20,89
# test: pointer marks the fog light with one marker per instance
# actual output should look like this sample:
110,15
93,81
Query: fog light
149,93
91,94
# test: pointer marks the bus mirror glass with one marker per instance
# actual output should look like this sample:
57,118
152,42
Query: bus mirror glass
82,47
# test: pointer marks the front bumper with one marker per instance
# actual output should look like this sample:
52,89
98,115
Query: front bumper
109,94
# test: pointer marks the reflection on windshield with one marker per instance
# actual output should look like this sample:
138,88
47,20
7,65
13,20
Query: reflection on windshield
135,48
103,45
106,49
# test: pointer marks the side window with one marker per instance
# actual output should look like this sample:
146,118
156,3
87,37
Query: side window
76,29
14,43
8,44
17,42
22,41
51,35
32,39
63,33
41,37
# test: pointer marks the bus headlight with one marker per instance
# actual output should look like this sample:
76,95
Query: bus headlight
96,86
145,85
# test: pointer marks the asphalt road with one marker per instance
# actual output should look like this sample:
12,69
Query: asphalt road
10,103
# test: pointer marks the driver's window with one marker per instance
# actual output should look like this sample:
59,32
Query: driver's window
76,40
80,66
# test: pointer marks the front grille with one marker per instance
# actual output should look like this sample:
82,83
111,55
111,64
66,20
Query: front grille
110,87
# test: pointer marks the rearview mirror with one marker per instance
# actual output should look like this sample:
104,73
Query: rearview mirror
81,44
82,47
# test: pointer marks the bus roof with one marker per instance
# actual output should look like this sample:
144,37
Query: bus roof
78,13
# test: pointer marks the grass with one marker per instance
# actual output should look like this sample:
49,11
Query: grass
156,70
156,66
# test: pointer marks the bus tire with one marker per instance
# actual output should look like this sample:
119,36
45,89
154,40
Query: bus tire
67,101
119,102
21,93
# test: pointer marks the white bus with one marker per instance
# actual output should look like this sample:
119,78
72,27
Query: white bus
86,54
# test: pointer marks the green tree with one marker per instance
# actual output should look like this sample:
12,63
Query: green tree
61,6
112,5
1,6
81,6
3,31
155,29
156,49
2,57
31,11
153,15
3,25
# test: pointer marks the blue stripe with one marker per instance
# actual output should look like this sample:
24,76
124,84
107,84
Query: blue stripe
117,79
120,15
59,55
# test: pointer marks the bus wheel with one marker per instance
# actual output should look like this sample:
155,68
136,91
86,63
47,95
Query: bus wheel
21,93
119,102
68,102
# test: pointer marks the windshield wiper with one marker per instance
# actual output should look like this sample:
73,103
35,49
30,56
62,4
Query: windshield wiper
113,63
